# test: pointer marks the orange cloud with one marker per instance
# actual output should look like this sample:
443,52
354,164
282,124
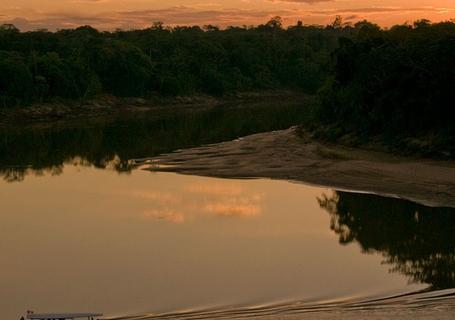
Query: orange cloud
233,209
228,199
196,201
194,15
133,19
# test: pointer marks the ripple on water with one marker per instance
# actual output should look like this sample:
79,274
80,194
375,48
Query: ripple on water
440,303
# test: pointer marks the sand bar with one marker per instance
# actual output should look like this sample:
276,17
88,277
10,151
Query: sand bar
285,155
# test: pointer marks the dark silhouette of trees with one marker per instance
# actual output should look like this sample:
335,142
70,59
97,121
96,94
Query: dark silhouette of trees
112,144
396,84
15,79
416,240
184,60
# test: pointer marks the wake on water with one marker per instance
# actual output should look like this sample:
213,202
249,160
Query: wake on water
404,302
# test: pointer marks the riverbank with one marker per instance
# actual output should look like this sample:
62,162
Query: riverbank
290,156
106,107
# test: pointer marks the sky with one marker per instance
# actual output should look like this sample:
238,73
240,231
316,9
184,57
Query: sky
133,14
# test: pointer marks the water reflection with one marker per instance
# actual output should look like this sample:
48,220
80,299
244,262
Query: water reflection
146,241
38,150
91,239
193,201
415,240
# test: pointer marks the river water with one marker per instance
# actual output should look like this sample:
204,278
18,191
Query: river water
81,229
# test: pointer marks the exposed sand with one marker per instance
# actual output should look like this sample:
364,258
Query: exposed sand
284,155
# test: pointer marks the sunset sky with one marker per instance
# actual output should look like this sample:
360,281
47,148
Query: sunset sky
128,14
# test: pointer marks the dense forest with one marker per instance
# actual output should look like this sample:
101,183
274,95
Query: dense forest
77,64
396,85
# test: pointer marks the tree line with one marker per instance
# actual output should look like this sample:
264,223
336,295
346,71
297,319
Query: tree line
396,84
80,63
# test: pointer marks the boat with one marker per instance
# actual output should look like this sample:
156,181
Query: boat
62,316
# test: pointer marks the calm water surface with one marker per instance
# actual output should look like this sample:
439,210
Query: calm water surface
81,230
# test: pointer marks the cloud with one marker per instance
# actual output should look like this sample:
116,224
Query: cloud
303,1
180,15
227,199
90,1
190,202
189,15
228,209
385,16
367,10
196,15
353,17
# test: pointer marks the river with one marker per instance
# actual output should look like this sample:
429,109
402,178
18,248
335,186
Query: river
84,229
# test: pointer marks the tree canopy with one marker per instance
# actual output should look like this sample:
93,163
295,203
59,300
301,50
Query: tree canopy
183,60
397,84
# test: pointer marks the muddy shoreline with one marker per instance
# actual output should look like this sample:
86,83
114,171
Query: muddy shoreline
108,107
286,155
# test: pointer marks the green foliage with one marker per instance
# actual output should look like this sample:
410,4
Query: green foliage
123,68
59,76
212,81
397,83
79,63
15,79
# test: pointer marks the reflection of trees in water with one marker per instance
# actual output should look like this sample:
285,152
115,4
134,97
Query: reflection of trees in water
17,174
13,174
111,145
415,240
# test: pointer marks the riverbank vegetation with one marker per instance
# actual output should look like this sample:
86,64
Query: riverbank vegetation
112,143
78,64
393,86
396,86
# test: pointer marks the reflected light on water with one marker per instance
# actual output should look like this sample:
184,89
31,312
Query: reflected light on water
92,239
202,199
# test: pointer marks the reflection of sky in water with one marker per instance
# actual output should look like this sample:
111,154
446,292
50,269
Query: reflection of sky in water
201,199
96,240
